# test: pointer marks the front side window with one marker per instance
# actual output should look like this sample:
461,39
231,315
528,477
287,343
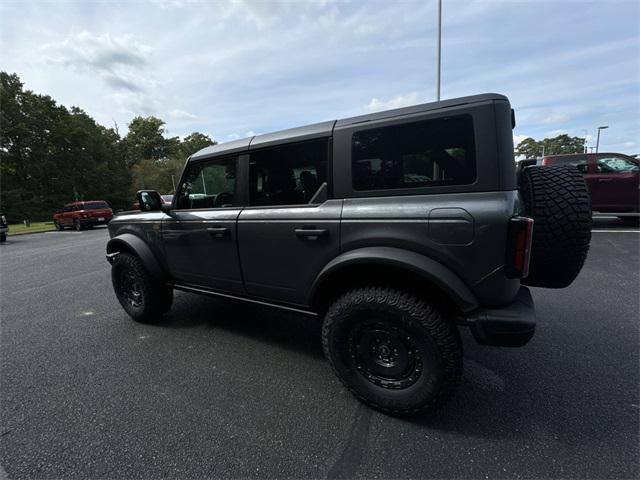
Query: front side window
209,184
616,165
419,154
288,174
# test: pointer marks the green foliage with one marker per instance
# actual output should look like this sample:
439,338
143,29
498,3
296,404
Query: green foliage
562,144
51,155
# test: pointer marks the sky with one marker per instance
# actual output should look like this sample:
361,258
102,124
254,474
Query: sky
238,68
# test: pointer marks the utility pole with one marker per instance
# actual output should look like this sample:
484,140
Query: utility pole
598,140
439,50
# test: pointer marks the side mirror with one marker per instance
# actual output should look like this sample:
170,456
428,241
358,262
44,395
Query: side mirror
149,200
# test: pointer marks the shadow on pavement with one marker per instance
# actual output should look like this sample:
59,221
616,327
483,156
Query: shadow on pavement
292,331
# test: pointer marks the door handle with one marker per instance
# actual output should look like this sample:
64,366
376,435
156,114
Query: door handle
218,232
311,233
604,180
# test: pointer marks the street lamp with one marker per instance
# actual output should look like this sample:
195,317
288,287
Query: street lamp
598,140
439,49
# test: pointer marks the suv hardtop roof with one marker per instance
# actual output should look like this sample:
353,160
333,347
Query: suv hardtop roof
325,129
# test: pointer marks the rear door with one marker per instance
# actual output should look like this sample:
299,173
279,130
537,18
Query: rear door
615,183
199,234
284,240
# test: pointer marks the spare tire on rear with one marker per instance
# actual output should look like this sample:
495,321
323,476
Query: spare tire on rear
556,197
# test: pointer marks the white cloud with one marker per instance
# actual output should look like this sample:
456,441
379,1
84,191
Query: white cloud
549,118
519,138
376,105
118,60
182,115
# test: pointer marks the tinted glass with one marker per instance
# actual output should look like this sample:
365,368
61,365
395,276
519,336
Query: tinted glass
209,184
287,175
95,205
427,153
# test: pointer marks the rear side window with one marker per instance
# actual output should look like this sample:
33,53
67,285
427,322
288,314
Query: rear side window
288,174
419,154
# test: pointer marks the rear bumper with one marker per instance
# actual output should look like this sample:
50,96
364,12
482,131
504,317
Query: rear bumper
510,326
94,221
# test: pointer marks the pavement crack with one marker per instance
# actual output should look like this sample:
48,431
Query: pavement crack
349,460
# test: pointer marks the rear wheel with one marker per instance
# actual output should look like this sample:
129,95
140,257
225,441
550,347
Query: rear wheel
392,350
143,297
3,237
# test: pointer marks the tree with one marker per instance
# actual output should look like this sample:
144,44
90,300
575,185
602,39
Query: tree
562,144
146,140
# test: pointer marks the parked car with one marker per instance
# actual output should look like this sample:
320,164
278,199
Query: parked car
613,180
166,200
395,229
80,215
4,228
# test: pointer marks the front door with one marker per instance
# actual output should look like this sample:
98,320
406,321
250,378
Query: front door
614,184
199,235
285,235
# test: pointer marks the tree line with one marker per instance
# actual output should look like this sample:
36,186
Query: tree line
560,145
51,155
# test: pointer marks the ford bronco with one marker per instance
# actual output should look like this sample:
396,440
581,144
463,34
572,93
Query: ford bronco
395,229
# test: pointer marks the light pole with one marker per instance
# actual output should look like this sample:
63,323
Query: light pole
439,49
598,140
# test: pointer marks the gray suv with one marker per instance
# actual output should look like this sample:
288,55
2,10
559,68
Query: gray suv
394,229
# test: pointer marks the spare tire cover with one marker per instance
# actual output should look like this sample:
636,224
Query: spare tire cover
557,199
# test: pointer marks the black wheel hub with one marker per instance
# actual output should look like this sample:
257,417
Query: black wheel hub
130,288
385,353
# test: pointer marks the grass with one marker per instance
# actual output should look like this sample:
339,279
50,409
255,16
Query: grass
36,227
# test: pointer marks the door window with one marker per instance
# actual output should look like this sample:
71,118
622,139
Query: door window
209,184
616,165
288,174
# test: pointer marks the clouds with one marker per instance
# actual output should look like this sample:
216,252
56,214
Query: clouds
228,68
118,60
376,105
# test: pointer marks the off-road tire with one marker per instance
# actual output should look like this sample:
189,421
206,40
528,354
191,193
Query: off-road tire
435,341
556,197
153,298
77,226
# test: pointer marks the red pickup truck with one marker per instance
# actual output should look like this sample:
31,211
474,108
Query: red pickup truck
81,215
613,180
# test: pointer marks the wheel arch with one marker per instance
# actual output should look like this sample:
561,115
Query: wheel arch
391,266
130,243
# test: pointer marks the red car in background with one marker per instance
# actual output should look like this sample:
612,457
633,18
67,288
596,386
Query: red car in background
613,180
80,215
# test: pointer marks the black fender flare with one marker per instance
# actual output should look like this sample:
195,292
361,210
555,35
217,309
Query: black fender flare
427,268
128,242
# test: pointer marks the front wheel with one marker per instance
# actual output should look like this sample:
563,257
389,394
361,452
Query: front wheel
58,226
77,225
143,297
392,350
3,237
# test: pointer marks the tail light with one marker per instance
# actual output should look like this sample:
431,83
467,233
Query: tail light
518,254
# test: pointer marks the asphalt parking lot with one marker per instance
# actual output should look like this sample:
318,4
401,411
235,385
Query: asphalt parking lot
226,390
